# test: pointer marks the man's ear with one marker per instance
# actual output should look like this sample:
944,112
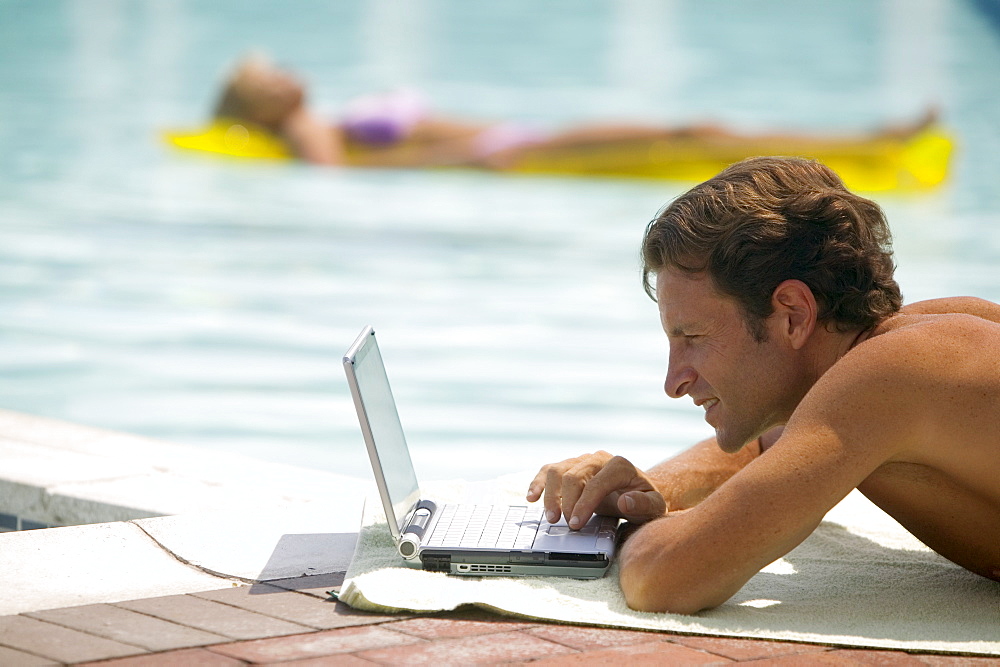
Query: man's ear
794,312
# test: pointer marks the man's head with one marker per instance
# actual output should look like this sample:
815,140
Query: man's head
766,220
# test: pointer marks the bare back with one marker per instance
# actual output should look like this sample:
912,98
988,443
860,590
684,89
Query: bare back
942,484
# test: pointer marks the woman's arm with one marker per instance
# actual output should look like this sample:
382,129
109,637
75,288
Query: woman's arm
311,139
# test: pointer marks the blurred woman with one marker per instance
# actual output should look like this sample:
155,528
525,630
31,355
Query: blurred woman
397,129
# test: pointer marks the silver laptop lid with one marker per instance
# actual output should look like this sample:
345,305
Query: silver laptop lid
397,482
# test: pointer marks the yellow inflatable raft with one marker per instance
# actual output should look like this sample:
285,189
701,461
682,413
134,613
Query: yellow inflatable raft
881,164
230,138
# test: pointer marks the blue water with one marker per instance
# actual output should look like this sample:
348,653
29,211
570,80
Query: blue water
209,302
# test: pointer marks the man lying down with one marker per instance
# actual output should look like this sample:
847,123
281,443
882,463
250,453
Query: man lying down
776,292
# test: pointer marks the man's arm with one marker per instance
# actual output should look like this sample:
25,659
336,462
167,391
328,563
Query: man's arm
861,414
696,559
606,484
691,476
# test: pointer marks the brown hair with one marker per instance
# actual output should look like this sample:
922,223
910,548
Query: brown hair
768,219
232,105
258,92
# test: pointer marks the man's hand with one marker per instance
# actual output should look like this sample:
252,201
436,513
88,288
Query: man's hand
596,483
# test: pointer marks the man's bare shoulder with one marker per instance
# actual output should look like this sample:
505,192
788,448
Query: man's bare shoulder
944,336
966,305
929,370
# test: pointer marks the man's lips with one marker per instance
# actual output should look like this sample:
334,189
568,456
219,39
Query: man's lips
706,403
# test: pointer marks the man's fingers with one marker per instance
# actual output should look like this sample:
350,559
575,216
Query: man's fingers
559,485
553,494
548,481
618,476
578,479
537,486
571,486
641,506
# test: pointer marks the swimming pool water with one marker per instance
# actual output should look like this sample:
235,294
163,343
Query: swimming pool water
209,302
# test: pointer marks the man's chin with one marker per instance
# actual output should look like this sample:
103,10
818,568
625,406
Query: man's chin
727,443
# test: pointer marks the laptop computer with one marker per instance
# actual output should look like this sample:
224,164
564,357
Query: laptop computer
461,539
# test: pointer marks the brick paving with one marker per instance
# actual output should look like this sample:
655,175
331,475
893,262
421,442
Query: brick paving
294,620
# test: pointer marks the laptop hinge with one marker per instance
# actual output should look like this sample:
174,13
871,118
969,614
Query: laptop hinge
419,519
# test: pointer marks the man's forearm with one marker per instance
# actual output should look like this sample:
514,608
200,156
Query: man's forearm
688,478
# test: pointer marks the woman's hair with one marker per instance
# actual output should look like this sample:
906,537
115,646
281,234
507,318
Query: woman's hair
768,219
258,92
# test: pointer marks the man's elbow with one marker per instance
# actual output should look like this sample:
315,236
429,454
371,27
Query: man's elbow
644,590
657,576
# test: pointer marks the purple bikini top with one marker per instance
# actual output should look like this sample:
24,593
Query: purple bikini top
385,118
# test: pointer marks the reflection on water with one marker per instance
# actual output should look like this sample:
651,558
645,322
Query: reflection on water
209,302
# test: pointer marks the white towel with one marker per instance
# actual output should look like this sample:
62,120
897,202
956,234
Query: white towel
859,580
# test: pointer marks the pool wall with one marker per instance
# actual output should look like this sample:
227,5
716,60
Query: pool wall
58,473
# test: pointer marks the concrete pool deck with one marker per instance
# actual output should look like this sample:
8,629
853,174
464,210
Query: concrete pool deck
240,570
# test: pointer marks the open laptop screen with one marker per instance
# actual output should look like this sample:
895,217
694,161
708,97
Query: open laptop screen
385,440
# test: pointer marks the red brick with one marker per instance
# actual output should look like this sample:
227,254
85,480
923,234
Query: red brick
314,644
503,647
450,628
214,617
128,627
746,649
341,660
305,610
959,661
188,657
470,613
879,657
58,643
9,656
842,657
650,653
586,638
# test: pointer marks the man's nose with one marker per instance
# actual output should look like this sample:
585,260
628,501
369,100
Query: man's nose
679,381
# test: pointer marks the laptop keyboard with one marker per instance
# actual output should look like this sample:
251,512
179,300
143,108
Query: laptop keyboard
486,527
